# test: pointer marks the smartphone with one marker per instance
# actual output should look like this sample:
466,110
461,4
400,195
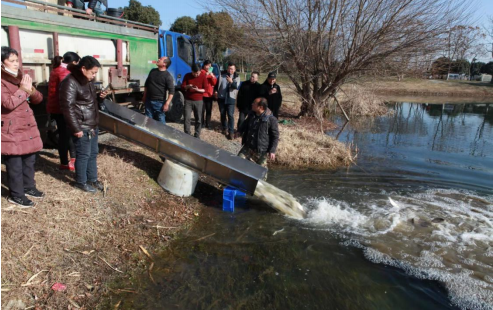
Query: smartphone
211,69
106,88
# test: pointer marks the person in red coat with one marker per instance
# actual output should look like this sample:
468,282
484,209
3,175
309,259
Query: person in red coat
193,86
208,99
20,135
65,143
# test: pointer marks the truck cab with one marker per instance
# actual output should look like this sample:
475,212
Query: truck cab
180,50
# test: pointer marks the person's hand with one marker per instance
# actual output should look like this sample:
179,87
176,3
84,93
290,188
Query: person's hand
272,91
272,156
27,82
89,11
70,5
229,79
166,107
103,94
79,134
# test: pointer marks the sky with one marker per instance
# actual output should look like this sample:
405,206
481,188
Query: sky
169,10
483,11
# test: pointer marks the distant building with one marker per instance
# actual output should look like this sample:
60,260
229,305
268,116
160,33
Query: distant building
482,77
456,76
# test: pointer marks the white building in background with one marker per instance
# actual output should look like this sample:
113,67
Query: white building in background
482,77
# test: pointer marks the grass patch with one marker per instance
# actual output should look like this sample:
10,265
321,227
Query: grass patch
362,101
299,147
76,236
413,86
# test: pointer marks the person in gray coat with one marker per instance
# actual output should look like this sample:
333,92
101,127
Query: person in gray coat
227,90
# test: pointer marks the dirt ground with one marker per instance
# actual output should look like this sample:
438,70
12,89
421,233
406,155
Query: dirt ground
87,241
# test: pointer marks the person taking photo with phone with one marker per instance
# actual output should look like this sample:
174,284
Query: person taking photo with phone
227,90
194,86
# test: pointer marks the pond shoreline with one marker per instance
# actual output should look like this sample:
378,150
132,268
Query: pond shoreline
91,242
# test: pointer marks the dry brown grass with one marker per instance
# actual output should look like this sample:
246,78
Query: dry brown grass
299,147
362,101
75,235
422,87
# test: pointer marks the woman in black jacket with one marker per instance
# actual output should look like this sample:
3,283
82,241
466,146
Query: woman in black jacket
79,104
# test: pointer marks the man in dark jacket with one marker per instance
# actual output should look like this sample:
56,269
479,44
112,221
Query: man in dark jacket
272,92
158,82
249,90
260,134
93,6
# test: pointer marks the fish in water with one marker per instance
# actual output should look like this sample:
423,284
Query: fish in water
437,220
420,222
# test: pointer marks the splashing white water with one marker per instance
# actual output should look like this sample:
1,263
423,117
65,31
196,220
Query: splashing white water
443,235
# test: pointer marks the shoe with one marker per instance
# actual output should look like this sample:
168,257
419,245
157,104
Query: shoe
97,185
24,202
66,167
71,164
230,136
225,132
85,187
197,136
33,192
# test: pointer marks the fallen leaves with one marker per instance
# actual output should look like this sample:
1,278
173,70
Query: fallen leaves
31,279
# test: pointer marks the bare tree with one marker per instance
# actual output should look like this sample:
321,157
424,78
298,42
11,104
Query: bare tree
462,41
321,43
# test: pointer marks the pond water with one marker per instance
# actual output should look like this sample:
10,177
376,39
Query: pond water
409,227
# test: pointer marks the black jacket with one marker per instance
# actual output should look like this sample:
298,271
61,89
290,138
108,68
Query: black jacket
274,100
78,101
247,93
260,133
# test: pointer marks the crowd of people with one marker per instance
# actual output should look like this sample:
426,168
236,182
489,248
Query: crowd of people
258,105
73,103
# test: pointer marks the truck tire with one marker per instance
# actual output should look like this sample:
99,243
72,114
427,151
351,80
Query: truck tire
175,111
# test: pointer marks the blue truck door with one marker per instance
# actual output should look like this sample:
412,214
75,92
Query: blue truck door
180,50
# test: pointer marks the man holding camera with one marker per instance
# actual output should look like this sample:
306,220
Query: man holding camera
227,90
